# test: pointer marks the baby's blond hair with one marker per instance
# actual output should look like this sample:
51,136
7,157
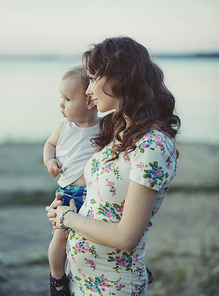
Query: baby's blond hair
77,72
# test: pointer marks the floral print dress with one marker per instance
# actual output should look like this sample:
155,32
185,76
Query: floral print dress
94,269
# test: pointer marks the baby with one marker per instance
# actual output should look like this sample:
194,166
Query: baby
65,153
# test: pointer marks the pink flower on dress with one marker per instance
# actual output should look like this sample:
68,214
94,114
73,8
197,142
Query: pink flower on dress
148,137
121,260
103,278
117,258
91,263
158,172
110,183
103,286
82,246
157,137
127,158
109,167
119,287
82,290
119,211
161,145
90,213
112,187
100,197
135,257
169,160
143,145
89,183
140,166
97,179
109,214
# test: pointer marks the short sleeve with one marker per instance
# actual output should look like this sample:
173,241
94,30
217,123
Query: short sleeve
153,162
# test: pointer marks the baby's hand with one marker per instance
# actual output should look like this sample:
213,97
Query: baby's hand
54,167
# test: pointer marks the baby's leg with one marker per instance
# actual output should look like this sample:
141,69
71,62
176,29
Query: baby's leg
57,254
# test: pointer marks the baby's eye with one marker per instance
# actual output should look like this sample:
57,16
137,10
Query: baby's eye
67,99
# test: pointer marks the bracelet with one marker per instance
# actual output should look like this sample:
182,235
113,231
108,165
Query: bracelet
61,225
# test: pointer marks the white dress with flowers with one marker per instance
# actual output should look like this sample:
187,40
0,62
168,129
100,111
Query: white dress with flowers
94,269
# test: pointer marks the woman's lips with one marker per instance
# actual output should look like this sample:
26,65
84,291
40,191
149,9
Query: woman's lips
95,101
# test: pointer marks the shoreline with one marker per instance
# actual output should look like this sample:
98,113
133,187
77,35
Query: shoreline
65,57
41,143
22,170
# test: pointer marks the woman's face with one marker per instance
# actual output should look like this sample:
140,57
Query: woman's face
103,101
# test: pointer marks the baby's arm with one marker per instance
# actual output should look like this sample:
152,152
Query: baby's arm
53,165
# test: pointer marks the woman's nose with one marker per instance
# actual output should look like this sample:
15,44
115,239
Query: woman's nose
89,90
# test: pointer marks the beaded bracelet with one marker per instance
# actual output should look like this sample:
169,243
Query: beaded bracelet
61,225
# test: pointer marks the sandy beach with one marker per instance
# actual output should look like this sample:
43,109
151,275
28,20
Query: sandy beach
183,245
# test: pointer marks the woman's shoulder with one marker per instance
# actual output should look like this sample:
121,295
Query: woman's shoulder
157,141
153,162
154,137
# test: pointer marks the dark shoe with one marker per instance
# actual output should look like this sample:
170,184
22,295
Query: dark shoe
150,276
64,281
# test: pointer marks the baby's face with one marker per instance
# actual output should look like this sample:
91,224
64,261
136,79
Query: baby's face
73,103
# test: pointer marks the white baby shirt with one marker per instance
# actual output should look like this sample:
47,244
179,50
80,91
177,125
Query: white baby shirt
73,150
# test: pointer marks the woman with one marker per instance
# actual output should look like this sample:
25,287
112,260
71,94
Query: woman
128,177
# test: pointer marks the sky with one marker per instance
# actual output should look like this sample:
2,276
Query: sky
70,26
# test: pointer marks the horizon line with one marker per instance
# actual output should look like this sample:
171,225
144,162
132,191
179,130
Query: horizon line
197,54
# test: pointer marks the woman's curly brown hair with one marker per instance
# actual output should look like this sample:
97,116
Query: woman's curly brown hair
138,83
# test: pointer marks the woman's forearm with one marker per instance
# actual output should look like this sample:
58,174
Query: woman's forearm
127,233
99,232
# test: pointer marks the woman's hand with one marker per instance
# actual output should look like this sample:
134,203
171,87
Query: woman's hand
56,214
56,203
56,209
51,209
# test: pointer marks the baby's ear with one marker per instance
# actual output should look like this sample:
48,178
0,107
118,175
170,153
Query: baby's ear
90,102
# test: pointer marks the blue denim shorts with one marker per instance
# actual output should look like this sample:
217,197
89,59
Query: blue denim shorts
73,191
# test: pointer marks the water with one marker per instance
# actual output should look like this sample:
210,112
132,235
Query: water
194,83
30,96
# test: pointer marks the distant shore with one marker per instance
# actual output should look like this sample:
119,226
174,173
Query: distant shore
63,58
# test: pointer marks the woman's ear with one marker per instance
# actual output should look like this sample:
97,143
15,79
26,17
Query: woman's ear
90,102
